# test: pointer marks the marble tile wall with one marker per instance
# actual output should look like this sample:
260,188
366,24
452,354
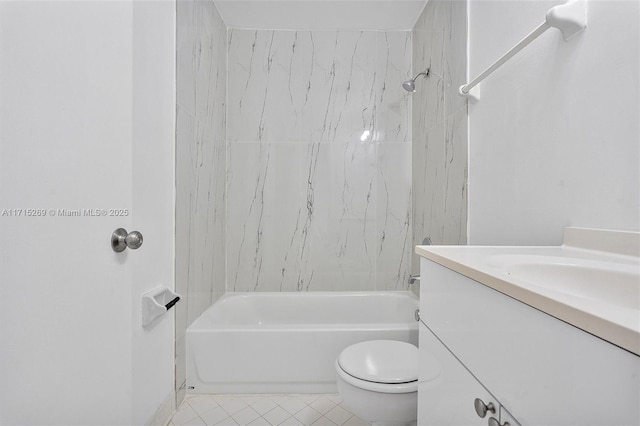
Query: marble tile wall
318,160
200,166
439,126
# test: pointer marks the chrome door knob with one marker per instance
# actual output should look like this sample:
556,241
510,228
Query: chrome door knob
482,408
120,240
133,240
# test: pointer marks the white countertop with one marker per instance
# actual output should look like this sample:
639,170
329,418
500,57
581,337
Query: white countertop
603,295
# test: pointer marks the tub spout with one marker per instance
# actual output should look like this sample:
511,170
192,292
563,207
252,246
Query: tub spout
414,279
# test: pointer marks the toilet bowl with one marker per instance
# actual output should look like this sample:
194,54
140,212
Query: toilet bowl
378,381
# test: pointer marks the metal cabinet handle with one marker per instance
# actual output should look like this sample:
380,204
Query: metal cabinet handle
120,240
495,422
482,408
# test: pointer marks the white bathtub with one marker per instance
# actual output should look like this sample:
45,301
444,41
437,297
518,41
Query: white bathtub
287,342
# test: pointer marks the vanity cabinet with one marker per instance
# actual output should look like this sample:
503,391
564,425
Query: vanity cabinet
534,368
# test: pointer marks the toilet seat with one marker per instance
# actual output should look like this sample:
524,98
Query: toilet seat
386,366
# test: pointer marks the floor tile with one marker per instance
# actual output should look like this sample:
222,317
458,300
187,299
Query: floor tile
293,405
197,421
231,404
250,399
214,416
227,422
245,416
322,405
338,415
201,404
260,421
276,416
264,410
355,421
323,421
307,416
279,399
263,405
184,414
335,398
308,399
291,421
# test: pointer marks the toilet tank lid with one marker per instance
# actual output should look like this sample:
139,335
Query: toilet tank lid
381,361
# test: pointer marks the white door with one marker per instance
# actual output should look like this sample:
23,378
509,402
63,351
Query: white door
67,300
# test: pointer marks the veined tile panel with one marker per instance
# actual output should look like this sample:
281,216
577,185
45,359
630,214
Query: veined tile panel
394,244
200,166
303,216
317,121
320,86
439,124
264,215
393,106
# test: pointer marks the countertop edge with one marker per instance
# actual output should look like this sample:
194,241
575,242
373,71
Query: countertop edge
600,327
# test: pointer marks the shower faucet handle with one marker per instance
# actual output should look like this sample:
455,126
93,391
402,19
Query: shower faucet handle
121,239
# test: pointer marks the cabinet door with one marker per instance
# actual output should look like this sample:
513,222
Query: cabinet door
446,389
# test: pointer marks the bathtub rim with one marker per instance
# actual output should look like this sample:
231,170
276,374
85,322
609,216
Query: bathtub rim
203,323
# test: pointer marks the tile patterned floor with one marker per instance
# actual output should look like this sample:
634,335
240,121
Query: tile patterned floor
264,410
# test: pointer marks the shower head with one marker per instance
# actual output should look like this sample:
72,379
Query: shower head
410,85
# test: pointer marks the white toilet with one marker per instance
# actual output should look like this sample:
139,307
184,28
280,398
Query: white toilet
378,381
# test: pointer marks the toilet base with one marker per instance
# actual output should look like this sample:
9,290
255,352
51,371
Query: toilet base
380,409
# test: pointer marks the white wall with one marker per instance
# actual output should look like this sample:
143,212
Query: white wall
554,138
86,108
